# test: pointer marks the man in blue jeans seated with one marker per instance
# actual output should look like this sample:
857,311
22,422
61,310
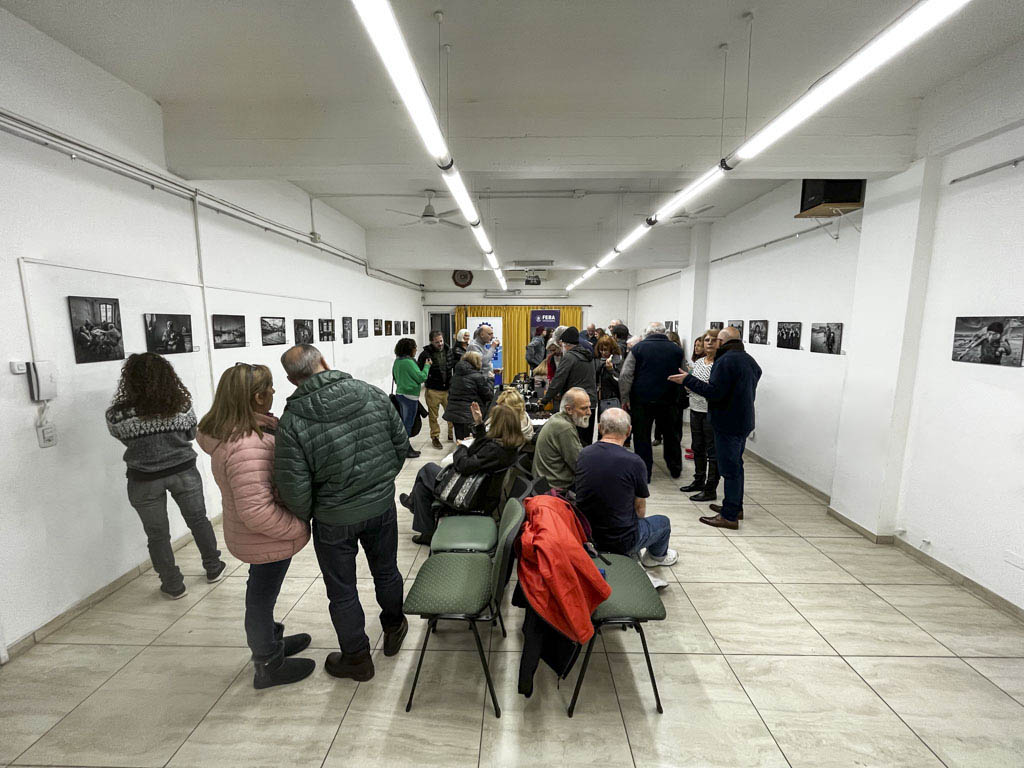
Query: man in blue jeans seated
611,491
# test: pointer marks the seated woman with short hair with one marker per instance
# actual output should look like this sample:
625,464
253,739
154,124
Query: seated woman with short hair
514,400
493,451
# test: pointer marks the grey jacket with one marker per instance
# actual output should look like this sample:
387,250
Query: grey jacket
575,370
486,357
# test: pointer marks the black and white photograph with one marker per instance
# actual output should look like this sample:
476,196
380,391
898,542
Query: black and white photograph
273,331
788,335
716,325
758,332
671,325
412,326
228,331
378,327
989,340
388,328
96,329
303,331
738,325
398,327
405,327
363,327
346,330
326,329
827,338
168,334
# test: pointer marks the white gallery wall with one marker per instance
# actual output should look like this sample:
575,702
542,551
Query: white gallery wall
656,297
66,528
808,280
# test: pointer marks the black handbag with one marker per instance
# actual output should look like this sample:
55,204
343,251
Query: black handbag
459,492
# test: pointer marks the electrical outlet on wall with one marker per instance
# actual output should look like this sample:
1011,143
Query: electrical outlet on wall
47,434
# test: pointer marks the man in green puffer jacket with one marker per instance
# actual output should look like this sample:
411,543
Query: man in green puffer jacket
339,445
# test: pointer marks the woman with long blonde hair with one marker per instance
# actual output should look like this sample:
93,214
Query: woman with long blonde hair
511,397
238,433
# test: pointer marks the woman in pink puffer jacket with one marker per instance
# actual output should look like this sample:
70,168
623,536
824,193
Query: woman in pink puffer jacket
238,433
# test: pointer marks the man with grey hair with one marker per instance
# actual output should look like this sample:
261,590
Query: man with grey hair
611,491
485,343
558,444
339,445
650,397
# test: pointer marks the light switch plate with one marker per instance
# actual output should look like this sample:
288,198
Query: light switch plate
47,435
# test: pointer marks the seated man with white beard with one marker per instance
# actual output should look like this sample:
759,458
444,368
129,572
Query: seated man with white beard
558,444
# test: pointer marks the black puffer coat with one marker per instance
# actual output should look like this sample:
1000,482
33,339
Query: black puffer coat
469,385
339,445
575,370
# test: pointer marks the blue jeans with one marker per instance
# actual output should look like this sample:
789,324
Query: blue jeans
653,532
336,548
410,406
261,591
729,451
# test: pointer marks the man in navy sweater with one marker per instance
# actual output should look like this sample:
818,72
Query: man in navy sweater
730,394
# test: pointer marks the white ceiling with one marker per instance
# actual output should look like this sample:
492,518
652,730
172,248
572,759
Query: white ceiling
544,96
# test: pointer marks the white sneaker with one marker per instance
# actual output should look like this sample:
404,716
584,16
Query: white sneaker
656,582
647,560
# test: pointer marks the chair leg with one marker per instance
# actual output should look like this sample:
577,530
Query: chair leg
419,665
650,667
583,671
501,621
487,669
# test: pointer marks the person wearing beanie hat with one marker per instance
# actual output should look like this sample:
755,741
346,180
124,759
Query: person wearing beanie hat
575,370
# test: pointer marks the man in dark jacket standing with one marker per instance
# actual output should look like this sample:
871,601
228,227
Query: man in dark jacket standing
535,351
339,445
650,397
730,393
439,380
575,370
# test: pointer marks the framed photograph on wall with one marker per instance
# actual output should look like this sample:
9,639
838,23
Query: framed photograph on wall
412,326
228,331
738,325
326,329
758,332
989,340
788,335
363,327
827,338
303,331
378,327
272,331
168,334
346,330
388,328
405,327
716,325
96,329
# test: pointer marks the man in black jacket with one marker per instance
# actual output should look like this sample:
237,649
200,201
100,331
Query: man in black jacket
649,395
439,380
575,370
730,394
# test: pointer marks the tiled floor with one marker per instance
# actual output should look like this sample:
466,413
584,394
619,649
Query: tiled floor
792,641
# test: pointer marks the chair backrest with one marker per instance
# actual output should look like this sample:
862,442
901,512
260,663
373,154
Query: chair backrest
512,518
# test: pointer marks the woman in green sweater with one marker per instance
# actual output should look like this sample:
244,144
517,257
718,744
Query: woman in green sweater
408,379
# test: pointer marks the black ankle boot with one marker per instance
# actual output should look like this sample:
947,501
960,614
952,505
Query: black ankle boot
292,643
357,666
281,671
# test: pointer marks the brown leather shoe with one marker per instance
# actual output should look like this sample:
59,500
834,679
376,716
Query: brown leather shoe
718,508
436,443
720,522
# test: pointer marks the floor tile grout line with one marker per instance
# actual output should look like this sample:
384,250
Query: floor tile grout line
340,723
989,679
84,699
207,713
760,716
907,616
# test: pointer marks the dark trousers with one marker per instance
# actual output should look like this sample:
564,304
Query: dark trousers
149,498
462,429
705,463
336,548
422,499
664,413
730,463
261,591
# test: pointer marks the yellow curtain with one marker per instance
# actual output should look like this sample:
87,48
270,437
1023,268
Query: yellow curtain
516,331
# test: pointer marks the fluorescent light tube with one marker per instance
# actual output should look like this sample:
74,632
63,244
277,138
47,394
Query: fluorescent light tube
901,34
687,193
570,286
481,238
461,195
492,260
632,237
382,27
501,279
587,275
608,259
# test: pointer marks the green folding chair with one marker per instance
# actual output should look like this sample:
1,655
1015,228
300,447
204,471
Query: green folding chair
466,586
633,601
475,533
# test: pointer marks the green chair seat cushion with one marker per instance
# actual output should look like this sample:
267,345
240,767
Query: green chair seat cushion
450,583
633,596
465,533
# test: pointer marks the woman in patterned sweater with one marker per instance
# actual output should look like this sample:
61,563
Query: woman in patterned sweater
152,415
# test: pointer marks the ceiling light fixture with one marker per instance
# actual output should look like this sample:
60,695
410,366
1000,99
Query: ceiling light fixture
460,194
897,37
492,259
481,238
501,279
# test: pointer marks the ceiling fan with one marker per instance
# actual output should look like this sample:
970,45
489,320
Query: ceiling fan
683,217
429,215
